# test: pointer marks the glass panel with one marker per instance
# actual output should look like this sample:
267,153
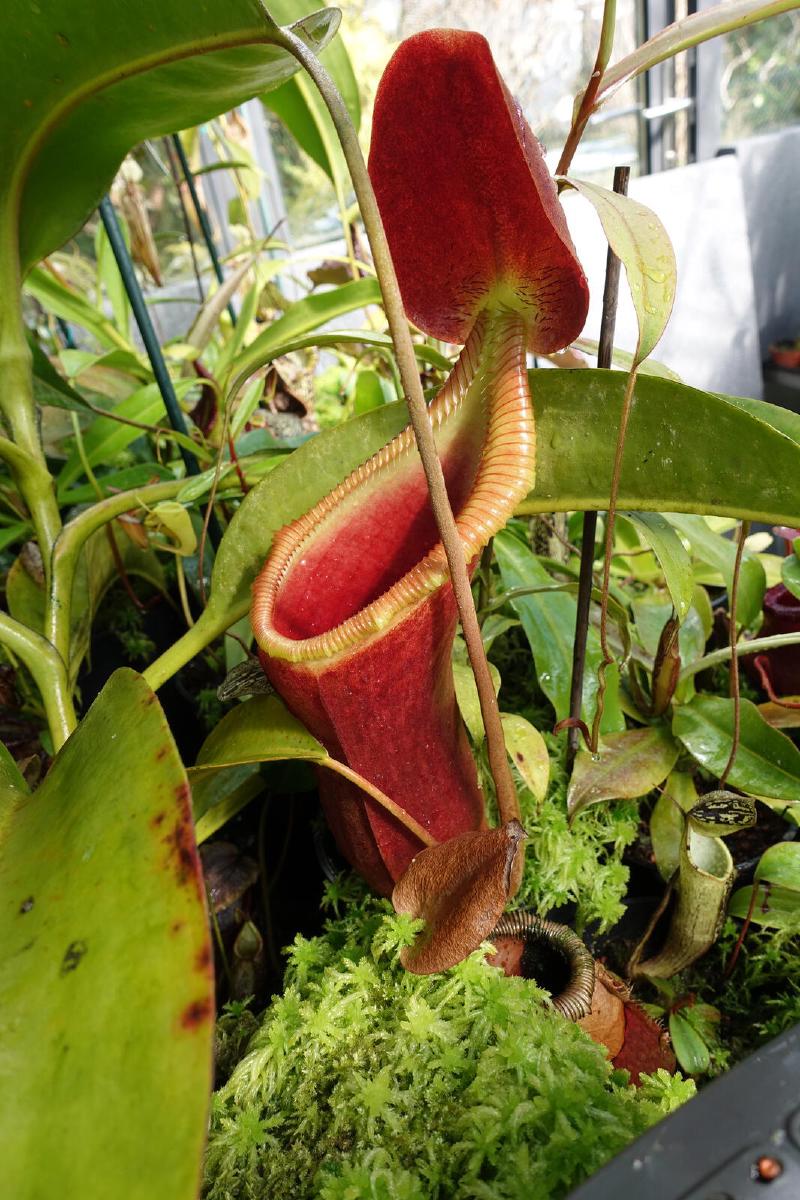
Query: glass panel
760,83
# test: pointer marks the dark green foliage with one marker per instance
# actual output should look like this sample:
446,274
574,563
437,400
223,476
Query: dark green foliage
366,1081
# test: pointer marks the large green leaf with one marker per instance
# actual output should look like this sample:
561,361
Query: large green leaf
548,620
106,983
310,313
223,779
767,762
672,556
686,450
82,85
666,466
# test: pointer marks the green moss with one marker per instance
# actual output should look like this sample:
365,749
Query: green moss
581,863
760,998
367,1082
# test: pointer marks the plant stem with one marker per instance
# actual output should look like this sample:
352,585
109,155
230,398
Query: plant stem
30,472
26,459
49,674
734,636
507,802
587,103
605,354
774,642
202,217
381,798
608,658
71,541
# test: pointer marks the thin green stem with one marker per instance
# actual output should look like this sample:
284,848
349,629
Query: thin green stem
744,530
71,541
508,804
17,404
774,642
585,107
49,674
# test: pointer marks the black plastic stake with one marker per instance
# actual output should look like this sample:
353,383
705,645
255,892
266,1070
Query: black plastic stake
604,359
202,215
151,343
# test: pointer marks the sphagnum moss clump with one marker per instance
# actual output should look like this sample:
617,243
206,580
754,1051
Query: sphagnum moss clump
365,1081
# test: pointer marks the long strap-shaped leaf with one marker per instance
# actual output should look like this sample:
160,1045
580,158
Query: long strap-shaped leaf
667,468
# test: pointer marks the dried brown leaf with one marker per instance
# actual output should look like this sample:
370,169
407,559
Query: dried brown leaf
459,888
606,1022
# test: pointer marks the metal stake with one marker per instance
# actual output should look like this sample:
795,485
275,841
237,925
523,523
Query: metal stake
604,358
151,343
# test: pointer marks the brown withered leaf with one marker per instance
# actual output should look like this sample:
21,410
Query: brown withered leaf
460,888
606,1022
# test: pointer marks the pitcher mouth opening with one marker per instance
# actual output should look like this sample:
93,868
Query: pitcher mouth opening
551,955
358,561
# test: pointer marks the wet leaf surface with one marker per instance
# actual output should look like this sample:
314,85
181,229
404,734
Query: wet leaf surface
106,979
767,762
627,765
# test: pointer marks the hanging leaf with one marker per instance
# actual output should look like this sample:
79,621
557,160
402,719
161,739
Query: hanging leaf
781,865
672,556
260,730
681,35
459,888
90,90
106,983
774,907
767,762
777,883
642,245
779,716
720,553
527,750
628,765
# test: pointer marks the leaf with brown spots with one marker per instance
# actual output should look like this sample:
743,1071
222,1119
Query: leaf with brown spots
459,888
106,974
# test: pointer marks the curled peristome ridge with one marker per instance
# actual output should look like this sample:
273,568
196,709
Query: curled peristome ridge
575,1001
494,359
